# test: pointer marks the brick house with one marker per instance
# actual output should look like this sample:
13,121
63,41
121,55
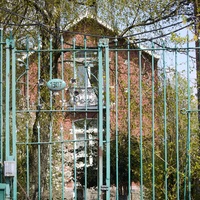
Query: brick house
92,27
85,33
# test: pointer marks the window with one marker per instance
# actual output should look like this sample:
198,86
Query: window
85,90
85,133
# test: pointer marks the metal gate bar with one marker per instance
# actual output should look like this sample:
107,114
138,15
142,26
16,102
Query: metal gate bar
177,123
188,125
153,121
165,122
1,98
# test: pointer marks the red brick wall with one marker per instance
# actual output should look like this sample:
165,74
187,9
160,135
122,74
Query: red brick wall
93,28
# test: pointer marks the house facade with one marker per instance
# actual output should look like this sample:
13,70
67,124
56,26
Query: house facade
128,65
72,119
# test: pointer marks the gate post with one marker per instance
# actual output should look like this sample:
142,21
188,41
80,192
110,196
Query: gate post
107,118
104,43
100,118
14,131
10,135
1,102
7,115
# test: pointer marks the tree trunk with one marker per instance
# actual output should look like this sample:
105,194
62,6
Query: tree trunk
41,127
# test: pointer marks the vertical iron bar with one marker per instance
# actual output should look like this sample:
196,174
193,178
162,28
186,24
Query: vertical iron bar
74,67
153,123
50,64
62,67
50,158
185,176
75,150
27,74
116,121
39,105
1,104
107,70
86,155
129,121
51,123
14,132
27,160
73,125
100,119
177,124
63,164
74,59
7,98
141,131
7,118
165,122
39,72
86,105
63,102
39,162
188,118
1,97
86,74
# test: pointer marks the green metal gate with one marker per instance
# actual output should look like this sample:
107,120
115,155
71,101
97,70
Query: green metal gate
103,121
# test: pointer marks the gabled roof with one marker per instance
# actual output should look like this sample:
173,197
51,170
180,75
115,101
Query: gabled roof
89,15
